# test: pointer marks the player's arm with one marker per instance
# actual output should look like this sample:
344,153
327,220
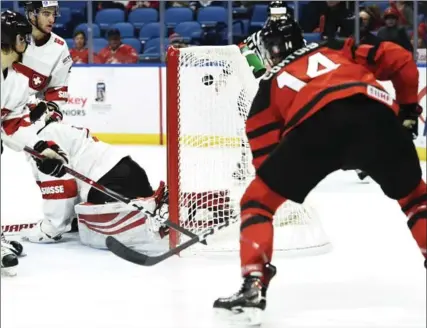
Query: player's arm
389,61
57,90
250,50
18,132
254,62
263,126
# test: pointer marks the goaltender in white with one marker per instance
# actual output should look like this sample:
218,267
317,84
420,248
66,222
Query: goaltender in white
98,215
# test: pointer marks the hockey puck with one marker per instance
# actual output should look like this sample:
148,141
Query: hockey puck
208,79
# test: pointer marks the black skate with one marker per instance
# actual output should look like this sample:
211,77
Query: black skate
9,262
14,246
247,305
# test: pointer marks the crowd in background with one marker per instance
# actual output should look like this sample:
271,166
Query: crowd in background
135,33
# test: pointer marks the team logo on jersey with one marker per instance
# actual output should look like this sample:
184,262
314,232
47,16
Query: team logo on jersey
37,81
59,41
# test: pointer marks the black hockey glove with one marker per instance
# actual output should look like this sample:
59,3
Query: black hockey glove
409,115
55,159
53,113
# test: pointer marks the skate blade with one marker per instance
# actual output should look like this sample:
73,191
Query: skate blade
246,317
8,272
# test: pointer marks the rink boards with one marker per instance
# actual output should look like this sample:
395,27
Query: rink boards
127,104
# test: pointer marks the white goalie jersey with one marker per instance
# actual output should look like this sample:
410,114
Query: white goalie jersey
87,156
65,198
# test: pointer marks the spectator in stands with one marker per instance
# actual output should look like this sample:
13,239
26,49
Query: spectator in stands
79,53
196,5
177,3
99,5
392,31
370,20
338,19
116,52
142,4
405,11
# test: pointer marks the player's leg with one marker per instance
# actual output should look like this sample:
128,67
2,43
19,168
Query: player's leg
302,159
396,168
127,178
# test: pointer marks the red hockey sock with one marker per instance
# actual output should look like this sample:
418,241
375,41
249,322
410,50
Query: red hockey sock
415,207
258,205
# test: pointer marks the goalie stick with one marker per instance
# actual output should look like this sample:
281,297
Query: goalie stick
135,257
110,192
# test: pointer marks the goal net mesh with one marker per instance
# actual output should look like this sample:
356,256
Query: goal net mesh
209,94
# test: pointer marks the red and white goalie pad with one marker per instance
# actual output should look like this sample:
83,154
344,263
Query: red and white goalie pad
121,221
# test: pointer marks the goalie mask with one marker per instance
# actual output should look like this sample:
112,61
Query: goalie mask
281,38
14,28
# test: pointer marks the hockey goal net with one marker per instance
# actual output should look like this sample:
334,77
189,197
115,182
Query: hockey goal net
209,94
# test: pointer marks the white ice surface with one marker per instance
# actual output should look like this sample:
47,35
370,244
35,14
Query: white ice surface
373,278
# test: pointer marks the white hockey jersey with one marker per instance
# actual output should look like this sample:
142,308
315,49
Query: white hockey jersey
47,68
15,120
87,156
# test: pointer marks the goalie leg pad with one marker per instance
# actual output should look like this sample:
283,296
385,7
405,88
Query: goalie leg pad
122,221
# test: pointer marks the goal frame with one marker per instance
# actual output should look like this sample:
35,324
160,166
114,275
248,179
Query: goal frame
306,237
172,137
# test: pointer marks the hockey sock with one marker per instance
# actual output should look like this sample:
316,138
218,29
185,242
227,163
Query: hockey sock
415,207
258,205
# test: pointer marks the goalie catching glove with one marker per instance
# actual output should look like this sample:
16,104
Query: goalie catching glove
409,115
55,158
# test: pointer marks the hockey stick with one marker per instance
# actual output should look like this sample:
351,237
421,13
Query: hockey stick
135,257
111,193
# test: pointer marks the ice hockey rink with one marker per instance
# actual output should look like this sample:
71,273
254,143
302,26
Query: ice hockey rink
374,276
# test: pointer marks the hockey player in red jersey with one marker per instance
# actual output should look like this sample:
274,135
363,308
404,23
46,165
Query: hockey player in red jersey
321,109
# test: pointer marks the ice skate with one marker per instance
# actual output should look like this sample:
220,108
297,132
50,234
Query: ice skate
14,246
248,304
9,261
43,232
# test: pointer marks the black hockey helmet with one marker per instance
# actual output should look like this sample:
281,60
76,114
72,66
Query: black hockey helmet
35,6
13,24
282,37
278,10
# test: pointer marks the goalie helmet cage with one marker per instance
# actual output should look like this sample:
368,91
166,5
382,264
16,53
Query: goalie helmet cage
209,94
